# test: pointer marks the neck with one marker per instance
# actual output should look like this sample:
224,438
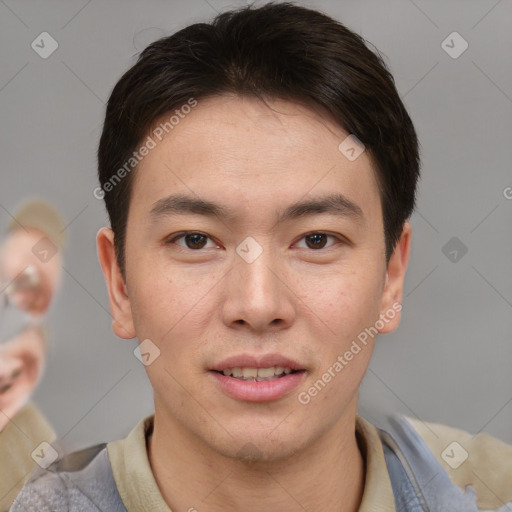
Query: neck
328,475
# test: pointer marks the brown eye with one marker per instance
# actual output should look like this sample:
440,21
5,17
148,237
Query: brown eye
193,240
316,240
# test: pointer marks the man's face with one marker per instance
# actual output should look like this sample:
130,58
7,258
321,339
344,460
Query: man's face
287,291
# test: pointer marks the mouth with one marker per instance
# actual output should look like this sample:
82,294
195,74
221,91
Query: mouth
249,378
252,374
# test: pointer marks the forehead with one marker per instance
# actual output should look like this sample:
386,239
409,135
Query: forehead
248,155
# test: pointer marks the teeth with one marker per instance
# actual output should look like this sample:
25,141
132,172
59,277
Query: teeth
249,372
265,372
256,373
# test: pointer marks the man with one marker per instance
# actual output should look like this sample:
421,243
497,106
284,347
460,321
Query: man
259,173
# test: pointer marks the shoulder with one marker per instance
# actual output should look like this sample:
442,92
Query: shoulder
481,460
78,481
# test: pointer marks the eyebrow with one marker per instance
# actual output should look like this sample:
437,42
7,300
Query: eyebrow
178,204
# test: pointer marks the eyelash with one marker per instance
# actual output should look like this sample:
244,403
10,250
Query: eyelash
173,239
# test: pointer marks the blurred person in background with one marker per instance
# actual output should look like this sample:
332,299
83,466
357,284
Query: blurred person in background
30,274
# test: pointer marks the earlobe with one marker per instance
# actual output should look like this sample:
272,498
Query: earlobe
120,307
391,303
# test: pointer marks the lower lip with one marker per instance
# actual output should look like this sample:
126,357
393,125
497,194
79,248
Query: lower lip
263,391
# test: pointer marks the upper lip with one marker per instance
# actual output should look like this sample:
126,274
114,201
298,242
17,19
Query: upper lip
254,361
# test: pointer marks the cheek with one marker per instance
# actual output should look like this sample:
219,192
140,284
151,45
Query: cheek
168,307
344,302
159,299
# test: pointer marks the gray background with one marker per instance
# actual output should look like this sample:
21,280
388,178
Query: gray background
450,360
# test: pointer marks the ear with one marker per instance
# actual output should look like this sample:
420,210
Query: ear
391,302
120,306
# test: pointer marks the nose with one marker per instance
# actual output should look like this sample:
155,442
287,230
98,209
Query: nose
259,294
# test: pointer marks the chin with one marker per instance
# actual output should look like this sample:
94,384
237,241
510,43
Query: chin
259,453
261,445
